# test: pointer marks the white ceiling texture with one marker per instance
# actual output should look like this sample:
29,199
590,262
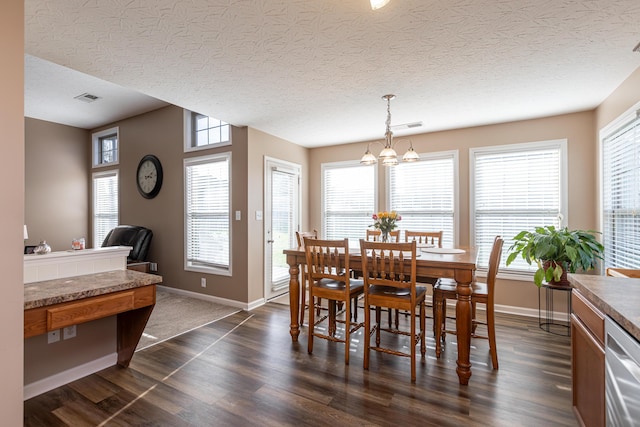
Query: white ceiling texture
313,71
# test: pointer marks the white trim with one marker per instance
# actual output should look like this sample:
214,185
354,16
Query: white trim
190,161
210,298
65,377
624,118
270,163
95,141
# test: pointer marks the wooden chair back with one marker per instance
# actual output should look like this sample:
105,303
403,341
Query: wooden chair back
494,265
300,235
384,264
327,259
424,237
375,235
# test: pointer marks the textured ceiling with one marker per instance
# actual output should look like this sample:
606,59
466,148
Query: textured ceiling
313,71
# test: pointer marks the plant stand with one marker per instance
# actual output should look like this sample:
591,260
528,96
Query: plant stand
549,322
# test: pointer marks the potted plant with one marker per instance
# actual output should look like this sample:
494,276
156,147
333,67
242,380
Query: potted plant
557,251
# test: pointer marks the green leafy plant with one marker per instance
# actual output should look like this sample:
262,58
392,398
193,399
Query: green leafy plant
556,251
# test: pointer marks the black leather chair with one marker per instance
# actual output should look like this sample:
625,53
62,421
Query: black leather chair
131,235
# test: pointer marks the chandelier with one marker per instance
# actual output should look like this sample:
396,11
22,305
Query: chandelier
377,4
388,155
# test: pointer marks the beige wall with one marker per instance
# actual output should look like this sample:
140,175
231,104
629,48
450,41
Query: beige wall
577,128
12,212
161,133
624,97
263,145
57,191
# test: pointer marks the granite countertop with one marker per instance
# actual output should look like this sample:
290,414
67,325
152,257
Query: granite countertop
617,297
49,292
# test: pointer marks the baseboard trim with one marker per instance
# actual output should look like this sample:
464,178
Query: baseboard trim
232,303
65,377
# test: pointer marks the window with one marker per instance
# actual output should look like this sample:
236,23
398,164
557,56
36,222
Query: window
513,188
205,132
348,199
620,144
208,213
105,147
425,194
105,205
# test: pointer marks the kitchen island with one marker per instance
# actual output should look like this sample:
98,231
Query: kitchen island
54,304
598,302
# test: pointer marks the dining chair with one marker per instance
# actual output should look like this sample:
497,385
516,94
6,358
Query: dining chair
304,288
424,237
389,273
482,293
328,275
375,235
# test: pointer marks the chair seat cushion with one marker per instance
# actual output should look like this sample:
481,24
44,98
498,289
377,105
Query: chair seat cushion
397,292
354,284
450,286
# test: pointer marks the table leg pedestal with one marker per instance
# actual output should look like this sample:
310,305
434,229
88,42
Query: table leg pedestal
463,328
294,297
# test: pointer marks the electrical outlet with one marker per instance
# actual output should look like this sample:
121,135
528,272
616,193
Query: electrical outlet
53,336
153,266
69,332
203,282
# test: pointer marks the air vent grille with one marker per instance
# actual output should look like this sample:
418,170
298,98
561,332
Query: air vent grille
87,97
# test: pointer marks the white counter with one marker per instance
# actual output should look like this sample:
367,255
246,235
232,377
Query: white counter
56,265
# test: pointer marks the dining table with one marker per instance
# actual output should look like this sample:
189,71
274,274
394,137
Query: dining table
454,263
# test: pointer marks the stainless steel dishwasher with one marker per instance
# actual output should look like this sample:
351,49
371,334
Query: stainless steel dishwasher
622,376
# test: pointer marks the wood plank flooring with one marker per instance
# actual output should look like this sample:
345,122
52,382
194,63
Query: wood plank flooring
244,370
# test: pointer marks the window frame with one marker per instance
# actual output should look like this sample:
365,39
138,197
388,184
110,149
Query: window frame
426,157
97,242
188,266
338,165
559,144
96,144
189,134
625,119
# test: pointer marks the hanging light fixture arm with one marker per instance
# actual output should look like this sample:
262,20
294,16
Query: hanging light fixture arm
388,155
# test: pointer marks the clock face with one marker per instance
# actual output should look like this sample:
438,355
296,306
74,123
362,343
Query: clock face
149,176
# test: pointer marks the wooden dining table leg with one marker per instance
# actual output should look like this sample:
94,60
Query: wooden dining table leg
463,325
294,297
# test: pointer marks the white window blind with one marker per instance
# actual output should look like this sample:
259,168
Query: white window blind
621,196
105,205
208,213
424,194
514,188
348,197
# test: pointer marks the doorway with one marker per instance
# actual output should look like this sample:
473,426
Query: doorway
281,221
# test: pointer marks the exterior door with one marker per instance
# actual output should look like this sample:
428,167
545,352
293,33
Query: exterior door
282,219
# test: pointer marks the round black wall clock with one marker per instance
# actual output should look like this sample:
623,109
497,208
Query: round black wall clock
149,176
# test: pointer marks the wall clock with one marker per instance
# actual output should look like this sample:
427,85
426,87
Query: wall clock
149,176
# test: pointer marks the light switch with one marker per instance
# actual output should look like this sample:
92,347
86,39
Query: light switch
238,215
258,215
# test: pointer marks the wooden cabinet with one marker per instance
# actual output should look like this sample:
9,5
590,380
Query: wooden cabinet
588,361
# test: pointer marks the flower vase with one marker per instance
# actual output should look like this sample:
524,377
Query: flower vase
385,236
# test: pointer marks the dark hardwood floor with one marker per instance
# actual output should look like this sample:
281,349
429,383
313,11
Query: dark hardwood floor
244,370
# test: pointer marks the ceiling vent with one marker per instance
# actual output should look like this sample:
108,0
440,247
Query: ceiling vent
407,126
86,97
